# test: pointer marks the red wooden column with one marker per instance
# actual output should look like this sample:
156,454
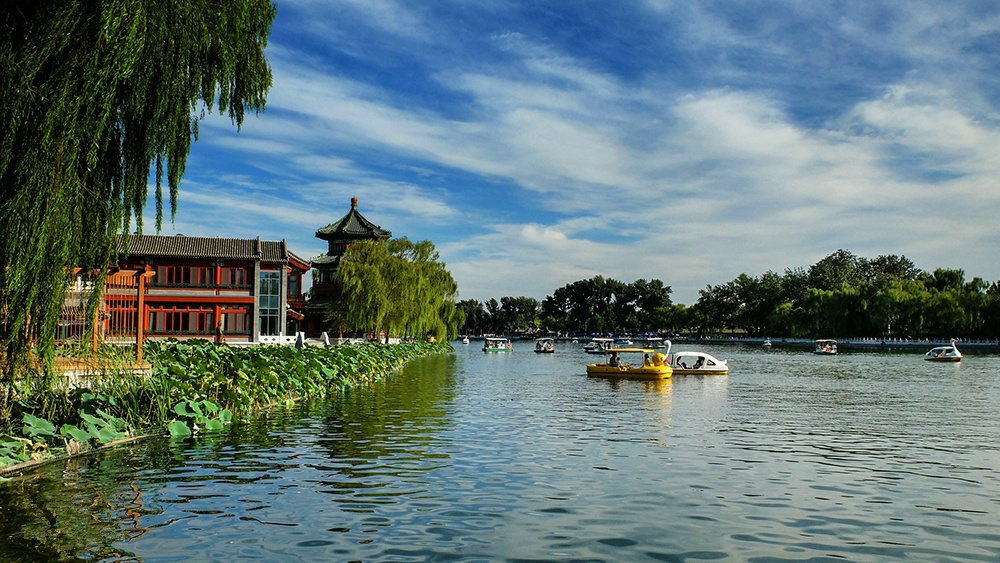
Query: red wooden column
140,312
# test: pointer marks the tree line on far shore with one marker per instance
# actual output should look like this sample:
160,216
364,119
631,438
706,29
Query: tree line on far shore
841,295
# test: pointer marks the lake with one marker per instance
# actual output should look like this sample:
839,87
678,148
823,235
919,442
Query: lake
520,457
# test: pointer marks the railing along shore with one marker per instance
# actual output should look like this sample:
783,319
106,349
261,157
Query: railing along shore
891,342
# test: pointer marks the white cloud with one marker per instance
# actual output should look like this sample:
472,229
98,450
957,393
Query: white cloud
691,185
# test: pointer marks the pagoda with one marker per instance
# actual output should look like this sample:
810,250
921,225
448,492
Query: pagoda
350,228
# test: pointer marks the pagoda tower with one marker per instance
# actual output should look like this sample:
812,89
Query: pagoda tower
339,235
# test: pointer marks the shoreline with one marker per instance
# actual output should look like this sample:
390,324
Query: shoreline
336,374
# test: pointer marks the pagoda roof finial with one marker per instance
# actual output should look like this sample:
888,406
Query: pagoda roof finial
353,226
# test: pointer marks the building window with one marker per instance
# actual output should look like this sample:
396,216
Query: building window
235,277
325,277
184,276
294,283
236,320
181,321
269,303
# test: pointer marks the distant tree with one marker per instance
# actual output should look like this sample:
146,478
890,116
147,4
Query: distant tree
653,307
95,93
943,279
475,316
794,284
494,319
602,304
520,314
991,312
714,309
884,269
835,270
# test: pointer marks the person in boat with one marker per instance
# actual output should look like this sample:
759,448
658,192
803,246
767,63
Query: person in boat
699,362
949,351
613,360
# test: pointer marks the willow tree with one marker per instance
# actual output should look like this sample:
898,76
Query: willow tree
399,287
96,95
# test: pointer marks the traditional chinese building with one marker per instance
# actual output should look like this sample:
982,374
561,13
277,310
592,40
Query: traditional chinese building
350,228
253,286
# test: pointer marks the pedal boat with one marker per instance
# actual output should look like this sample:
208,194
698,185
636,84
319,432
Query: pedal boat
944,353
826,347
545,346
492,344
698,363
598,345
645,363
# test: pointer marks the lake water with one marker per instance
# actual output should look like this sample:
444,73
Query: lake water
520,457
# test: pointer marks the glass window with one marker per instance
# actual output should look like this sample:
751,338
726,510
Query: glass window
269,303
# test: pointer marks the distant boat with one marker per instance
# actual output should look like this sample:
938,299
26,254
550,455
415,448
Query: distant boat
544,346
465,340
826,347
492,344
767,342
598,345
944,353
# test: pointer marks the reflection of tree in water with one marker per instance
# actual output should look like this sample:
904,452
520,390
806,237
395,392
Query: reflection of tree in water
52,515
391,419
90,507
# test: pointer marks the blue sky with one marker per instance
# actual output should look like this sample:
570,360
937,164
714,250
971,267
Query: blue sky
539,143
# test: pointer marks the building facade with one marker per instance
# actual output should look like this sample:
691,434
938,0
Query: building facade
203,287
339,235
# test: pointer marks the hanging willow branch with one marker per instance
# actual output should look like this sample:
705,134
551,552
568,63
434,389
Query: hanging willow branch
399,287
95,93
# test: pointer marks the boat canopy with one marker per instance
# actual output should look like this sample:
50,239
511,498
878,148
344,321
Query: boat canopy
630,350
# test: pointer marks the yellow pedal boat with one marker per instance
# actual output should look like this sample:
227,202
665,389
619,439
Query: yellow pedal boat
637,363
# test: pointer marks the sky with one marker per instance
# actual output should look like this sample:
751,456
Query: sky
537,143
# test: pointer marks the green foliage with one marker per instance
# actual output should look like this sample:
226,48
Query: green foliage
607,305
399,287
207,384
99,428
96,94
39,429
846,295
841,295
198,416
242,379
14,450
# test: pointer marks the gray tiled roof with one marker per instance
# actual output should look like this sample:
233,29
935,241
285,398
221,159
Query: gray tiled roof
352,226
180,246
324,259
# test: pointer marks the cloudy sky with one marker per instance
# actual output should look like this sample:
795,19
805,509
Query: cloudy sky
537,143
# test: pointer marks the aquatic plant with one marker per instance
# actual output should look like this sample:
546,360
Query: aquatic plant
196,386
195,416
